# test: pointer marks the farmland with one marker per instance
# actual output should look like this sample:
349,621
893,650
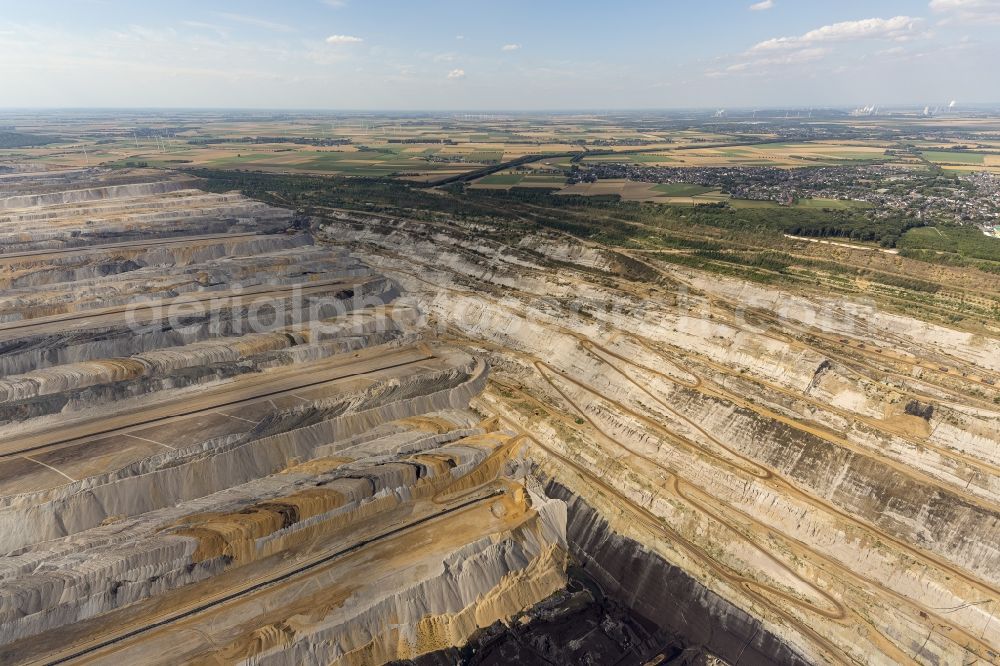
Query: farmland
427,148
677,194
953,157
835,163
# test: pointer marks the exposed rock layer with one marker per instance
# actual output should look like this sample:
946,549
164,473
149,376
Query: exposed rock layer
367,474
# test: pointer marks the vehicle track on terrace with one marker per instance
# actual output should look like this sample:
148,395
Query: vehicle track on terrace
746,585
669,274
677,485
773,478
125,245
864,526
793,423
15,330
250,586
929,558
227,396
721,391
873,354
791,489
729,305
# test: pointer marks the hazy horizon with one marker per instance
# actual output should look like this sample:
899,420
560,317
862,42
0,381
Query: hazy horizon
883,109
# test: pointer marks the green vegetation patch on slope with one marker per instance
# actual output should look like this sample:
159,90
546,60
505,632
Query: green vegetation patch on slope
952,246
307,192
501,179
23,140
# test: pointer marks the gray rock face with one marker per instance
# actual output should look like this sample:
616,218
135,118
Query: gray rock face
86,195
212,465
664,593
761,439
100,569
446,423
150,459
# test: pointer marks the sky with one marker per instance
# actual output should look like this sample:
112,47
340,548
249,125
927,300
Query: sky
489,55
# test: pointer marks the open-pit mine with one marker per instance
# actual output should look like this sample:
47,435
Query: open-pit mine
239,432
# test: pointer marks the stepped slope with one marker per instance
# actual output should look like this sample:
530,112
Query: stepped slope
230,434
202,410
779,476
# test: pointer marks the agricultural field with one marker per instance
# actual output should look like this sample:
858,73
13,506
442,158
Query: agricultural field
964,161
518,151
633,158
682,189
953,157
427,148
501,180
783,155
672,193
820,203
508,179
353,146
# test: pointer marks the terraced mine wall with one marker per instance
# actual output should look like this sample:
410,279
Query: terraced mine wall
23,275
85,385
90,194
854,481
170,455
487,581
129,212
664,594
179,552
228,317
600,618
213,465
624,605
827,467
29,178
508,444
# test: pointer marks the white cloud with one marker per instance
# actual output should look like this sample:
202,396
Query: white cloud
510,47
816,45
456,74
336,4
760,64
256,22
761,6
898,28
967,11
343,39
459,36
